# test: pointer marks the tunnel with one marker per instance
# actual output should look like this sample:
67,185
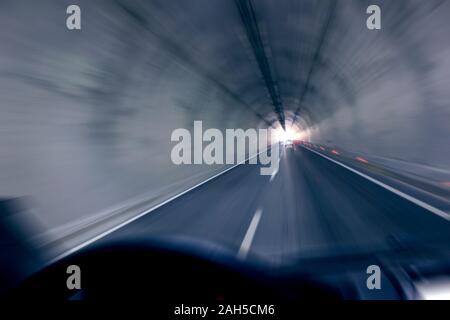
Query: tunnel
87,116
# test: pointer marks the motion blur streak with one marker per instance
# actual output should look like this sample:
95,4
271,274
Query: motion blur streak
86,118
361,159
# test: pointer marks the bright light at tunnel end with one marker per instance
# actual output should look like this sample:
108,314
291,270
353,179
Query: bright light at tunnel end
291,133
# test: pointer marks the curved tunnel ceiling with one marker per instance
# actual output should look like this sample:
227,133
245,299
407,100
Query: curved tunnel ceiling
307,58
97,107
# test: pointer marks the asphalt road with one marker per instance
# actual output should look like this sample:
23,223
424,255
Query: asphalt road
311,207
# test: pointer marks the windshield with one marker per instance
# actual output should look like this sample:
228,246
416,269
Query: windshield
277,130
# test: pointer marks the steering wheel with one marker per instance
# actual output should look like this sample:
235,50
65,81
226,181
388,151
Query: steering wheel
167,270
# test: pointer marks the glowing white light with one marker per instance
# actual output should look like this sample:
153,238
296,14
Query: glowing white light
435,290
288,134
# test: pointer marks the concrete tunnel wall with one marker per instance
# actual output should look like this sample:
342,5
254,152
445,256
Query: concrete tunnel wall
86,116
397,103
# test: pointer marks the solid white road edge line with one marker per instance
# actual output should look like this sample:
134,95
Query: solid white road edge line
105,233
418,202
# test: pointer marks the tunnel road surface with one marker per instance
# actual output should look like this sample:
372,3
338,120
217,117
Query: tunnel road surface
310,207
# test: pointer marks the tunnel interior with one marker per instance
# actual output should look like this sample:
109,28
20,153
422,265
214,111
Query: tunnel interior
87,116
